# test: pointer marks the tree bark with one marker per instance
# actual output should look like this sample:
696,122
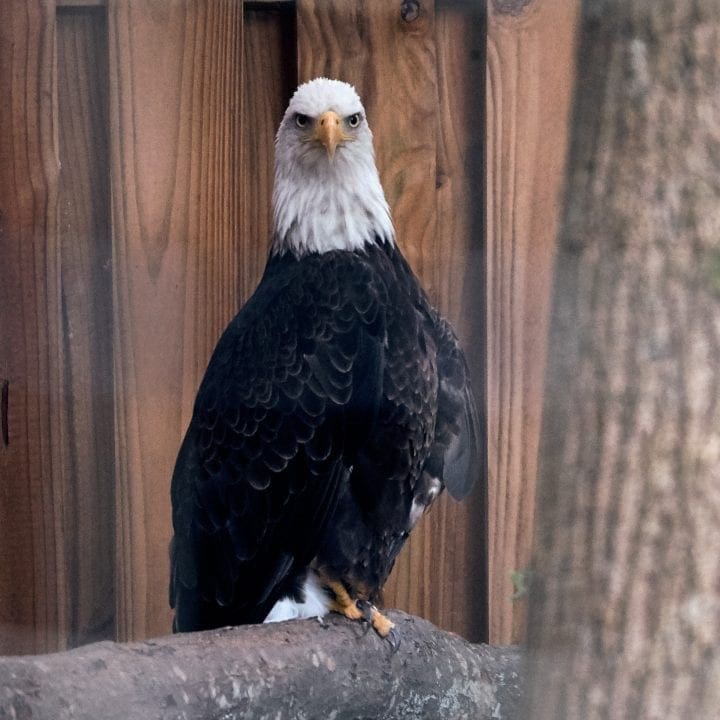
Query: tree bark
625,606
299,669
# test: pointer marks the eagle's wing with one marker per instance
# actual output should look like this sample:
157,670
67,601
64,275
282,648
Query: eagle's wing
290,393
457,455
458,448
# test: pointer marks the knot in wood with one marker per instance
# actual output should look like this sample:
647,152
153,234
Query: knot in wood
410,10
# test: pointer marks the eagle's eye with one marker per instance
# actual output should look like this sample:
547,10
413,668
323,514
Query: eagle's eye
301,120
353,120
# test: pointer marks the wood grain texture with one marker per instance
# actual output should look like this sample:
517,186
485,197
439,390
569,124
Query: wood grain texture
625,610
32,582
530,61
175,108
392,64
87,425
457,547
396,68
269,79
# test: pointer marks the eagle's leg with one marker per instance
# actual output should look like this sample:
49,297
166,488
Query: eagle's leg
342,603
382,625
361,610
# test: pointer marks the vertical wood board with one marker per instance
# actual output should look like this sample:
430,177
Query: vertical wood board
395,67
530,70
175,107
458,548
32,598
392,65
269,79
85,271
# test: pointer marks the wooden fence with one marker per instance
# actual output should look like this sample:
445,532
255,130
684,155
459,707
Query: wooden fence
136,141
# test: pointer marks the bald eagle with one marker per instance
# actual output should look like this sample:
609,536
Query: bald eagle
335,407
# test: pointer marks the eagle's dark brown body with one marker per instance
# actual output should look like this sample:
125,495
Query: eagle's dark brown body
333,404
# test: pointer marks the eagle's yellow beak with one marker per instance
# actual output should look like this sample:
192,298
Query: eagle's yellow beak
328,130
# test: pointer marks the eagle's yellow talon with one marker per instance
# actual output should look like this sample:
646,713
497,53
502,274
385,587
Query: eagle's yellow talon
394,639
382,625
343,603
361,610
367,609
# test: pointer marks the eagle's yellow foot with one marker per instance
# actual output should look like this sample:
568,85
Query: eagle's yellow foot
382,625
362,610
343,603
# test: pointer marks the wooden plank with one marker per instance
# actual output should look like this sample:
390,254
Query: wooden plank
85,276
530,66
459,540
395,66
392,64
269,79
175,107
32,585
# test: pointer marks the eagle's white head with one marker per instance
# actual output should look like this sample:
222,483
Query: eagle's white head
327,193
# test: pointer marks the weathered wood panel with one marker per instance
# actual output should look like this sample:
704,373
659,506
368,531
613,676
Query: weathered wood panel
191,222
457,572
32,584
269,79
530,61
394,64
175,74
85,269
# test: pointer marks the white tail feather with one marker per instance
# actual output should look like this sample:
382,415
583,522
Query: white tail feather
317,603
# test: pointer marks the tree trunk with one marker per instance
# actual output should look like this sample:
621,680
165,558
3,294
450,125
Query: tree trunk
625,608
299,669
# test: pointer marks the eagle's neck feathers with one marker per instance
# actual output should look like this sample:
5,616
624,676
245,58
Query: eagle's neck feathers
321,204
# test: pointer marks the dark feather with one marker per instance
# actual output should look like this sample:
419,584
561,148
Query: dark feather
334,396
